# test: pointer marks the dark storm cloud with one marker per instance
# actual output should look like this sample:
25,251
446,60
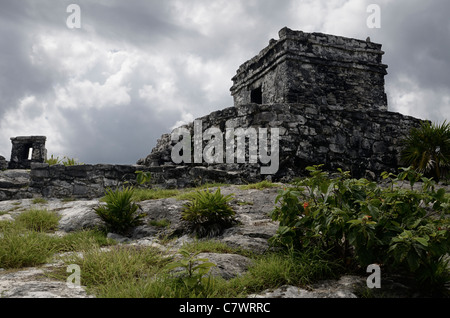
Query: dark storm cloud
18,76
107,92
416,36
142,23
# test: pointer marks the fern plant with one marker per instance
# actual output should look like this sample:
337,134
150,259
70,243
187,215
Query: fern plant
119,213
208,213
427,149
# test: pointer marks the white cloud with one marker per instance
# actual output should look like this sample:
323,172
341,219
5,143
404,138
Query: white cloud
210,17
186,118
408,98
32,117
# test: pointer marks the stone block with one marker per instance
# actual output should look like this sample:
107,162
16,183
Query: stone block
40,173
3,163
80,190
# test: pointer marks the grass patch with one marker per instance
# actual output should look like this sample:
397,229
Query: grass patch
139,272
143,194
265,184
39,201
211,185
26,242
120,272
38,220
214,246
20,248
159,223
154,194
82,241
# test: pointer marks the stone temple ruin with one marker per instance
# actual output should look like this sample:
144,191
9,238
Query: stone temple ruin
324,93
311,68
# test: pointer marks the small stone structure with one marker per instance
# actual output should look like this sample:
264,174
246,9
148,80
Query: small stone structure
22,147
313,68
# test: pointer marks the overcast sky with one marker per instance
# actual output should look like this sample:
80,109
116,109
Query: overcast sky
105,92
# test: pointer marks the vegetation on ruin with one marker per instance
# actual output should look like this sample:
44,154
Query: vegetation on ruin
66,161
427,149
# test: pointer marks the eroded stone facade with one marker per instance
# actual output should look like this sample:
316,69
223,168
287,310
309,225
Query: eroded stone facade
314,68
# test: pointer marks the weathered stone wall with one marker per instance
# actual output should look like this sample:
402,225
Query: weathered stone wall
363,142
314,67
82,181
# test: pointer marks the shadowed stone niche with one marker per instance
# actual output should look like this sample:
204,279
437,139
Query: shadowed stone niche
26,150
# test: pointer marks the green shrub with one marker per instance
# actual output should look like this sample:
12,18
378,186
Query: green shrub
427,149
208,213
191,280
119,213
403,229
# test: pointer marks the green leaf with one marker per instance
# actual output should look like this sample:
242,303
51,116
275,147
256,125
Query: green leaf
422,241
355,222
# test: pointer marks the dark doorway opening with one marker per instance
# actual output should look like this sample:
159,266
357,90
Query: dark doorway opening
256,95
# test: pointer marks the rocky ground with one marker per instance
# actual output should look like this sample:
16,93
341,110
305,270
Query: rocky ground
253,232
